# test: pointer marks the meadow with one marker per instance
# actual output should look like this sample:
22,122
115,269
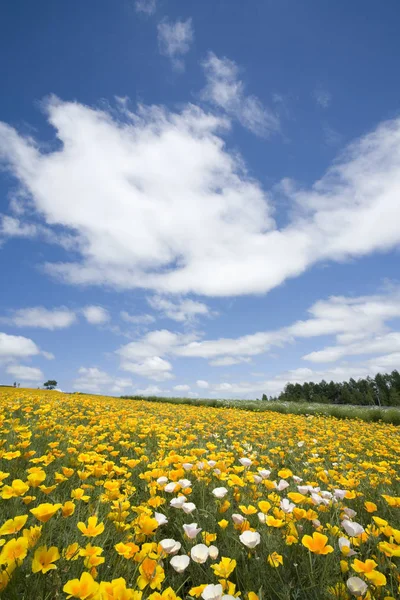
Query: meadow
116,499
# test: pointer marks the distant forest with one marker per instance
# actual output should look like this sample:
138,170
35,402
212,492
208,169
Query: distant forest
382,390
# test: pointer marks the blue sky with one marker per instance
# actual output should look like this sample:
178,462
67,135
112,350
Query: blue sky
198,198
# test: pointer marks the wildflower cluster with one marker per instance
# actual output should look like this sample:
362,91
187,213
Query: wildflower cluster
108,499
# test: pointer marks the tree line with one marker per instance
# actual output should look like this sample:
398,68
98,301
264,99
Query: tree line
381,390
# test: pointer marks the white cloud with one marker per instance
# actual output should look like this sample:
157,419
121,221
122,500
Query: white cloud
322,97
95,315
137,319
16,346
181,388
174,40
24,373
225,90
152,367
41,317
202,224
12,227
151,390
185,310
202,384
96,381
147,7
227,361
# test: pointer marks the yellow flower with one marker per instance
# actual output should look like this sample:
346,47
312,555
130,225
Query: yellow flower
32,535
127,550
317,543
15,549
45,511
117,590
44,558
198,590
13,525
71,552
224,568
252,596
151,573
167,594
370,507
275,559
363,567
16,489
84,588
79,494
92,529
223,523
248,510
68,508
272,522
264,506
376,578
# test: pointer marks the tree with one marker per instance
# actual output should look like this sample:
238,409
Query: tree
50,384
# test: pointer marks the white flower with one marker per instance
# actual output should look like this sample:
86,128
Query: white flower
185,483
300,444
178,502
287,506
349,512
219,492
356,586
352,528
180,563
339,494
217,471
316,498
316,523
238,519
170,546
187,466
199,553
264,473
297,479
245,462
170,487
251,539
200,465
261,517
345,543
212,463
191,530
303,489
282,485
213,552
188,507
228,597
160,518
257,479
212,592
162,480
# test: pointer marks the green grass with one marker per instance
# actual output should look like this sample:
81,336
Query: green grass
364,413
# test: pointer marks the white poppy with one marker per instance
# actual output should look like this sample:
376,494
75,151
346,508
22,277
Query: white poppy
212,592
191,530
170,487
287,506
238,519
356,586
178,502
352,528
219,492
212,463
339,494
213,552
282,485
187,466
345,543
160,518
188,507
170,546
180,563
251,539
245,462
264,473
297,479
199,553
185,483
162,480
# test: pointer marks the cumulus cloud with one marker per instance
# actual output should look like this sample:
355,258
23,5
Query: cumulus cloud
181,388
25,373
94,380
152,367
95,315
175,39
137,319
16,346
41,317
12,227
202,384
202,224
184,310
225,90
148,7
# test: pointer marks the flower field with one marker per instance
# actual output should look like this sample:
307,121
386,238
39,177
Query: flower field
110,499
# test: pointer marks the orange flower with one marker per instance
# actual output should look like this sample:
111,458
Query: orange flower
317,543
92,529
84,588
